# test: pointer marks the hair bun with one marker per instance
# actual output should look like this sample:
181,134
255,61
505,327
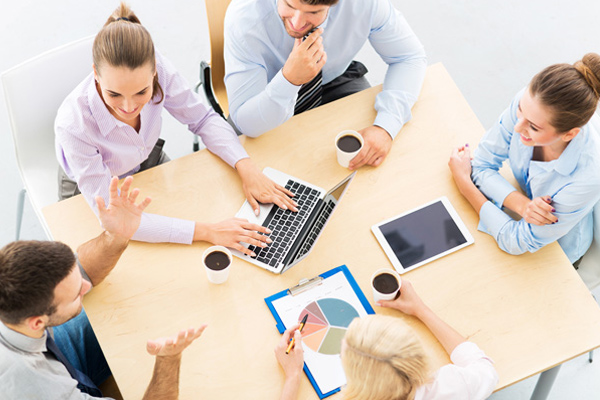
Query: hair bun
123,13
589,67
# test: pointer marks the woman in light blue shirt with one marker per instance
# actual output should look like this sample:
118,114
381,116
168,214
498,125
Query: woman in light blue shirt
554,154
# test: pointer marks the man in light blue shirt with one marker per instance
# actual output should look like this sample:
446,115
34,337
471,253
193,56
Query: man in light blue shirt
267,62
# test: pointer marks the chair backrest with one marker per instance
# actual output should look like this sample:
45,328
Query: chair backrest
34,90
589,268
215,11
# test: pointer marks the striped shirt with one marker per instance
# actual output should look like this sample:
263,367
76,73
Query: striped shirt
92,145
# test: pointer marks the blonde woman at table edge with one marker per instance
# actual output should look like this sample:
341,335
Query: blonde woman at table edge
110,123
383,358
554,154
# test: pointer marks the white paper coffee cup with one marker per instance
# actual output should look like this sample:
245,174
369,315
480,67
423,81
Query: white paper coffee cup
344,157
381,295
217,274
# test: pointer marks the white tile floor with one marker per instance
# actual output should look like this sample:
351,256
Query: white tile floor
491,49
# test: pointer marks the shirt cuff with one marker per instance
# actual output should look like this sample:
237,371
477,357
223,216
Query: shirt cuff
467,353
160,229
236,154
281,91
492,219
496,188
388,122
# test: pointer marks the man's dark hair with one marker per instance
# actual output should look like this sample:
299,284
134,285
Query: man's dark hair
29,272
320,2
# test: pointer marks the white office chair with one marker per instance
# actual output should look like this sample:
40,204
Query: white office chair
34,90
589,268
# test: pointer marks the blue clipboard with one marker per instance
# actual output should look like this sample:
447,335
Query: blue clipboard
281,328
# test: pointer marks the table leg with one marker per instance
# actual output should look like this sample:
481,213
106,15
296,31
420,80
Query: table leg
544,383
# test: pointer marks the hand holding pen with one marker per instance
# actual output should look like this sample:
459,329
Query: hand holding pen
292,362
299,330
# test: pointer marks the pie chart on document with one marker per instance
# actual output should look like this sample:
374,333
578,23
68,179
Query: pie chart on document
327,322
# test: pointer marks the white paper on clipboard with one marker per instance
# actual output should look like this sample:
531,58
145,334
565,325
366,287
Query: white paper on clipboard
335,301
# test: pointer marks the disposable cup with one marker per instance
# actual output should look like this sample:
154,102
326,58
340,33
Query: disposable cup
344,157
216,271
380,293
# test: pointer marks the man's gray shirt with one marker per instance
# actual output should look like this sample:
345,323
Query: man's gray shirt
28,372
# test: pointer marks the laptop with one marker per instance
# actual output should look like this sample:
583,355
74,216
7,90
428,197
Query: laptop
293,233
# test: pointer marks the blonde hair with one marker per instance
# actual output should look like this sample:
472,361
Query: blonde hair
124,42
570,91
383,359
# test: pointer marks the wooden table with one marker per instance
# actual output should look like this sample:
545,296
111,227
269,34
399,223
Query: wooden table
529,312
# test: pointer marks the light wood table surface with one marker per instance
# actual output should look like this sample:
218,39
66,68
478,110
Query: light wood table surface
528,312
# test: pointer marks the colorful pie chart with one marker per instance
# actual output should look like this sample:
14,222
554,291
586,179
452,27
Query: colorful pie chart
326,325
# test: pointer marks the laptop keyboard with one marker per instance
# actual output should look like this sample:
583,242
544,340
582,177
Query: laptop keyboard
317,228
285,225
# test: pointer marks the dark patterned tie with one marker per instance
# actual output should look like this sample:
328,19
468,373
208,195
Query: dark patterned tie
84,383
309,95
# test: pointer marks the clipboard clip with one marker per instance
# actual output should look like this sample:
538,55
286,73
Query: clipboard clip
304,285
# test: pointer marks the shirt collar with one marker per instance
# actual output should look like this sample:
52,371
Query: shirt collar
324,24
568,160
23,342
105,120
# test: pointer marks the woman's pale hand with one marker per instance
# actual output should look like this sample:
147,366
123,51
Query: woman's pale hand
234,231
460,165
408,302
290,363
539,211
259,188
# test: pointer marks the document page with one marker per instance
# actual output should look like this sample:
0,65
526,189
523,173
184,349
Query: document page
331,307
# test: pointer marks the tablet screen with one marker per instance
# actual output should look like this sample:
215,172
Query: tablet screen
422,234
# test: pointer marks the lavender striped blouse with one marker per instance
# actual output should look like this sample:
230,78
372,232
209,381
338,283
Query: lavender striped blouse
92,145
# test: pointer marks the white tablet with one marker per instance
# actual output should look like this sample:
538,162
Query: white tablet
422,235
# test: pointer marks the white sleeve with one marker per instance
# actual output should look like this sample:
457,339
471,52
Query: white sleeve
471,376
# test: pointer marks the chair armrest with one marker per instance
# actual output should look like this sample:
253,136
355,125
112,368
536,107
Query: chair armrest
206,81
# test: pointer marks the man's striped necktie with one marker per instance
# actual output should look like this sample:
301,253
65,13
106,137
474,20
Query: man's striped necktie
310,94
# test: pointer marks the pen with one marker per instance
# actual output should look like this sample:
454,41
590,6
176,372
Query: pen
302,323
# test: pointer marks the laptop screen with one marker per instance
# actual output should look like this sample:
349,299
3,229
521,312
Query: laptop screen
325,208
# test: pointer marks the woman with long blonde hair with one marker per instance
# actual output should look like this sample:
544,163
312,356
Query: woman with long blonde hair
384,359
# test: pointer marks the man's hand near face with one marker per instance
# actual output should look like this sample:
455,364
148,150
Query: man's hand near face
306,59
